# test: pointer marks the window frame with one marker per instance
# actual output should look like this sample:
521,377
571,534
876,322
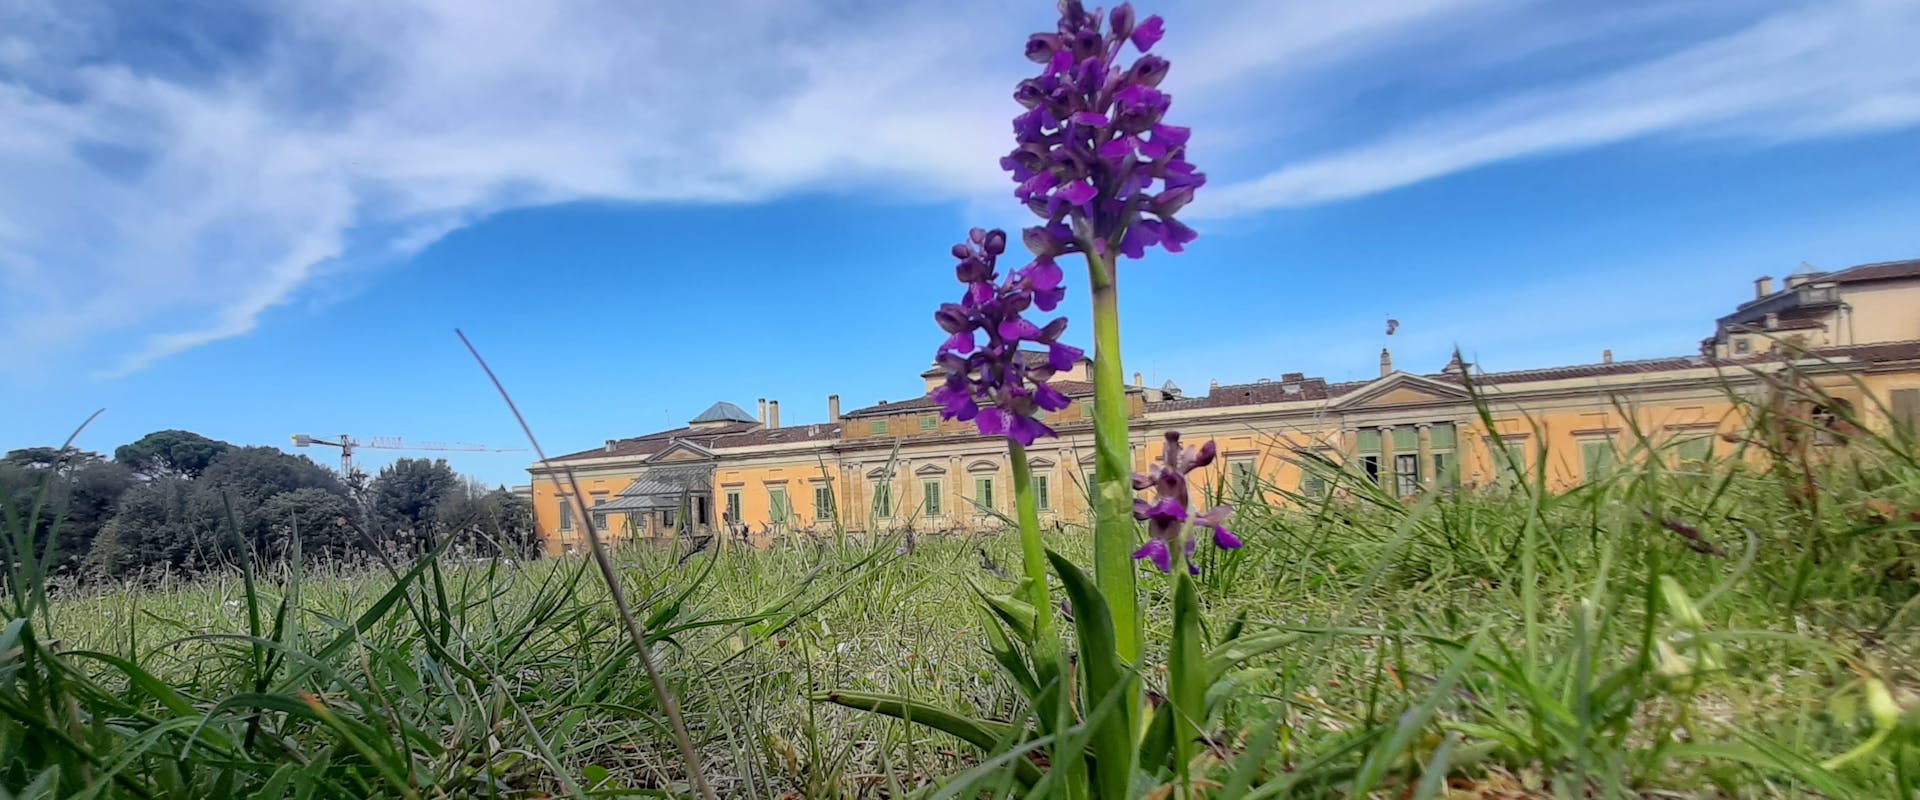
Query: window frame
882,499
823,502
930,502
1042,496
735,506
566,513
779,504
1406,482
983,493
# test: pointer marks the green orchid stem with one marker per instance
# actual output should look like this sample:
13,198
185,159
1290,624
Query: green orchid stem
1113,530
1033,554
1186,668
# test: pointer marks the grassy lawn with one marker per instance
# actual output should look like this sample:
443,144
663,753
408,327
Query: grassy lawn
1664,633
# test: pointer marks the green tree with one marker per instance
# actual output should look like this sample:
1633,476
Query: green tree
235,488
324,520
151,529
74,491
171,452
488,522
404,499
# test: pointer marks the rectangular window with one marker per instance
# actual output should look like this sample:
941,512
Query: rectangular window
599,517
1086,410
1596,457
733,506
983,492
1042,498
1905,406
930,497
823,502
929,422
1443,468
1245,477
1742,346
882,499
566,513
779,508
1512,453
1695,450
1406,473
1370,466
878,427
1313,486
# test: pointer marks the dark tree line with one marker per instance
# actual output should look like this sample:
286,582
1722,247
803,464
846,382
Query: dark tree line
180,501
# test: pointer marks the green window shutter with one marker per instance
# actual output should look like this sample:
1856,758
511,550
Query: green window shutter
1313,486
1406,439
1369,441
566,513
983,492
733,506
878,427
1442,436
822,502
929,422
1698,449
930,497
1596,458
1042,499
777,505
1905,406
882,500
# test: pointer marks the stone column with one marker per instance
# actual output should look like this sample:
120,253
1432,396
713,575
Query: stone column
1425,430
1388,480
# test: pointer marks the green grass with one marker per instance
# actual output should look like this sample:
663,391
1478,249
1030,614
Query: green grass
1501,639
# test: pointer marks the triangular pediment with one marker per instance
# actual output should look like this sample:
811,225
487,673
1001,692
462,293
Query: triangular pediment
681,450
930,469
1401,389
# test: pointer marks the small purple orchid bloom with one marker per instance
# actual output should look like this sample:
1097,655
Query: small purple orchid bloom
993,384
1092,155
1169,513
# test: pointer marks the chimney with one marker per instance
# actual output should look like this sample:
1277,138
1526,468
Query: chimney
1386,363
1213,384
1606,356
763,411
773,413
1762,286
610,444
1139,380
833,408
1773,320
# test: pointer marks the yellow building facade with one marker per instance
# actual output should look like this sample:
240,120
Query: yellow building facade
896,466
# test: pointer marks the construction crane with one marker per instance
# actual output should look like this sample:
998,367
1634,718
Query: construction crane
348,445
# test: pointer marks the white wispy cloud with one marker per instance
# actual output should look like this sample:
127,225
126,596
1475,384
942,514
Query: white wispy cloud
1827,69
159,194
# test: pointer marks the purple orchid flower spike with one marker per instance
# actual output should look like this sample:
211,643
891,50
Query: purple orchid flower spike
1093,156
990,378
1169,514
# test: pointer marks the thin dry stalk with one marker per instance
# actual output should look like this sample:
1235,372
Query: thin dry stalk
667,703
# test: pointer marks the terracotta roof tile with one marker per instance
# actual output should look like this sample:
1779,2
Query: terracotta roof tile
650,443
1246,394
923,403
1878,271
795,433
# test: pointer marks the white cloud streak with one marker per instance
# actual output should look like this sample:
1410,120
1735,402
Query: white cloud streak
148,209
1828,69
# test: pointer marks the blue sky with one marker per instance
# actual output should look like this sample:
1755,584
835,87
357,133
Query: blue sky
265,222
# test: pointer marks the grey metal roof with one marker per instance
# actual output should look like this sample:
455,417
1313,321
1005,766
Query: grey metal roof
723,411
662,487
